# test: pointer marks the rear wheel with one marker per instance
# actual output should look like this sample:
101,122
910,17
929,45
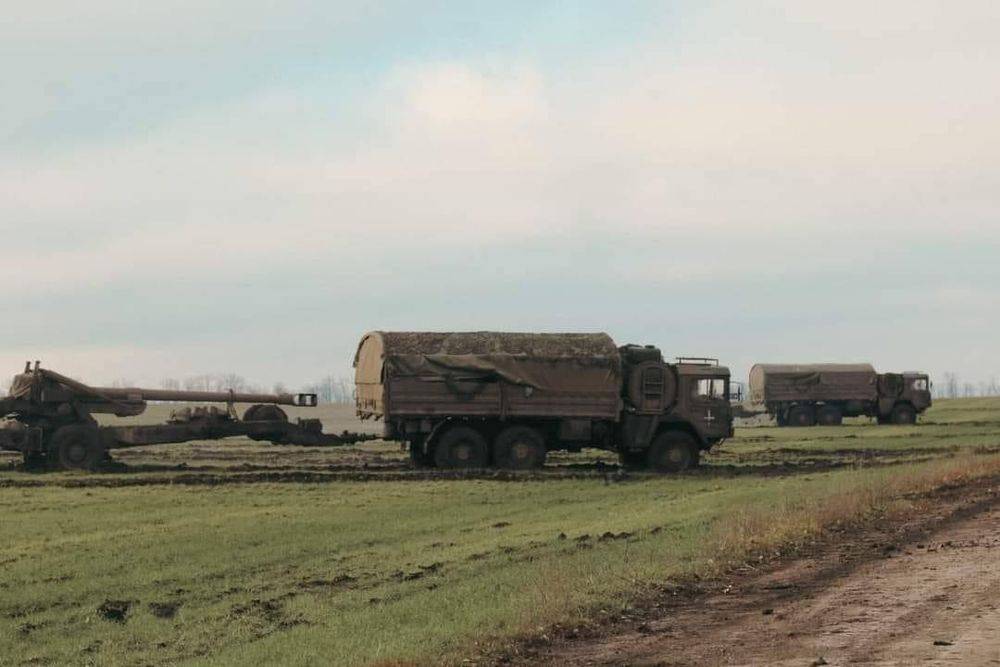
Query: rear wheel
829,415
672,451
77,447
519,448
461,447
904,413
801,415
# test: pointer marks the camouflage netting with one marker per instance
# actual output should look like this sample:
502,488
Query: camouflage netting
812,382
536,346
21,386
559,363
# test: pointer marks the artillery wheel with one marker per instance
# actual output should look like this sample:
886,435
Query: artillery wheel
672,451
264,413
904,413
461,447
77,447
519,448
829,415
801,415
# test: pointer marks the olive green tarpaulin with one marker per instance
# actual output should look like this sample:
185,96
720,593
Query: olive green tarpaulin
789,382
572,363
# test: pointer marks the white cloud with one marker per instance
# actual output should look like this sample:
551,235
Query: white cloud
722,159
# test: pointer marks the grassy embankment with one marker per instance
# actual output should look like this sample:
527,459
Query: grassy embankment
420,570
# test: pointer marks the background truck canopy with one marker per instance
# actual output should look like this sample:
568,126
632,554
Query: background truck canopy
556,363
812,381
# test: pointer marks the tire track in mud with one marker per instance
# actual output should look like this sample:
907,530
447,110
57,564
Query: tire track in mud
607,473
919,590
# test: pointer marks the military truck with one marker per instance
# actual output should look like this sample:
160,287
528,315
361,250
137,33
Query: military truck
810,394
479,399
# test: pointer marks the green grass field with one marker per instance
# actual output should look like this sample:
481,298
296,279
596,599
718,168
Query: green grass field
170,561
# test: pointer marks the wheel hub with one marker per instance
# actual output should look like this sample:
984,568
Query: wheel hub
76,452
520,451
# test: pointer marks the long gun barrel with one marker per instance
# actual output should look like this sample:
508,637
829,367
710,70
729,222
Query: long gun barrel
132,400
176,395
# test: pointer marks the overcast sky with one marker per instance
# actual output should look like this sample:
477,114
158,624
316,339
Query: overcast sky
190,187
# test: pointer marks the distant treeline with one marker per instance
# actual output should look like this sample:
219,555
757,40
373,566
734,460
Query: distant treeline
952,386
329,389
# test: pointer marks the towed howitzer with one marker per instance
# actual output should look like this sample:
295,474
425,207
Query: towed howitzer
48,417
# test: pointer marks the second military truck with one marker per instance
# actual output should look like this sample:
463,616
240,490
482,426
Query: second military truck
809,394
478,399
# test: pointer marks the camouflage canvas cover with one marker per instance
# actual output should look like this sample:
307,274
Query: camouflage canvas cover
815,382
486,372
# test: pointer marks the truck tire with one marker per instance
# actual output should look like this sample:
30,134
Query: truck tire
903,413
519,448
672,451
77,447
801,415
829,415
461,447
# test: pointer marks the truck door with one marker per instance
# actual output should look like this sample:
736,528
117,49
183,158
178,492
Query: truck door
710,406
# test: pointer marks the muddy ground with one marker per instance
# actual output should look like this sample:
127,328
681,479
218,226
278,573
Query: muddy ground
925,590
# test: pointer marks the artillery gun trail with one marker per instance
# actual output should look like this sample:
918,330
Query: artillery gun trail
49,418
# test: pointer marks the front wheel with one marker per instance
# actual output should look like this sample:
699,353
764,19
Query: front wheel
672,451
904,414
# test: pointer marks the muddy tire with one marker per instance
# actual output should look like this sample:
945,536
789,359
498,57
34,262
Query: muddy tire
265,413
829,415
77,447
519,448
461,447
801,415
672,451
904,413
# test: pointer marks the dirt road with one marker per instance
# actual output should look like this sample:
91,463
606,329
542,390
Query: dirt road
927,592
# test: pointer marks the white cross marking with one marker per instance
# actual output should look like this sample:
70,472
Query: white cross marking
709,418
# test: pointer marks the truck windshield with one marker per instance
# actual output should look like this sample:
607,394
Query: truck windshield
712,388
920,384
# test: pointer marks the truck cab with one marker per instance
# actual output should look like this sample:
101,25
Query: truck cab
703,399
672,411
917,390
